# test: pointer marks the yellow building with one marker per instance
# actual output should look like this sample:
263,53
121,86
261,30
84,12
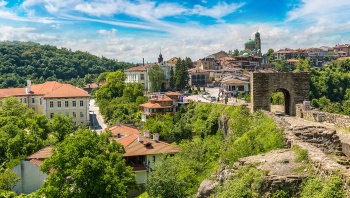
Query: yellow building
52,98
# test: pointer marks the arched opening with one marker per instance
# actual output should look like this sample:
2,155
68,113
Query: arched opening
280,102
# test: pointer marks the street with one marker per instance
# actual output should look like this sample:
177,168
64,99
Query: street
97,122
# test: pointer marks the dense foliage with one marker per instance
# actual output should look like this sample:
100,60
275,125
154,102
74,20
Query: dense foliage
203,144
330,87
87,164
181,76
20,61
156,78
118,101
23,132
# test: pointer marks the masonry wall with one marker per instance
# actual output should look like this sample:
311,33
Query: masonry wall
262,85
341,121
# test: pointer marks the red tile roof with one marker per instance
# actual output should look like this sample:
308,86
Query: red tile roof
235,81
49,89
36,162
154,105
173,93
129,139
42,153
137,68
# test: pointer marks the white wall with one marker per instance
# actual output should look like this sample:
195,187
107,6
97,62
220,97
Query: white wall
31,177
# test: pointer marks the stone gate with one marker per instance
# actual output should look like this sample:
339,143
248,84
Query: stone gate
295,87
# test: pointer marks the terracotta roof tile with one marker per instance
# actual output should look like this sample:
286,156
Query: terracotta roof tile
67,91
42,153
154,105
137,68
49,89
37,162
235,81
173,93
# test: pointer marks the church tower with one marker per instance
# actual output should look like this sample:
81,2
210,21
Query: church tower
160,58
258,43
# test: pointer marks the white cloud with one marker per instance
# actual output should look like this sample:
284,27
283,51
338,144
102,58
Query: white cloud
3,3
24,34
218,11
321,12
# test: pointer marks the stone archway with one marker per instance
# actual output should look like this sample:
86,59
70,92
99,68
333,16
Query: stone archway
295,87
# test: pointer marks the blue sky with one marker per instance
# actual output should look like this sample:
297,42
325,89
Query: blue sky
132,30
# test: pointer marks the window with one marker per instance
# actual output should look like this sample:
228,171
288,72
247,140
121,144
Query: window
240,88
81,114
67,114
51,115
33,100
59,104
154,158
41,101
81,103
142,76
66,103
25,100
74,114
74,103
21,100
51,104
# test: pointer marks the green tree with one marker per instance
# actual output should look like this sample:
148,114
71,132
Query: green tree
235,53
282,66
61,126
87,165
303,65
269,54
181,73
114,86
172,78
156,78
8,179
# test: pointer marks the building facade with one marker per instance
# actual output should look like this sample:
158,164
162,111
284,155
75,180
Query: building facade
52,98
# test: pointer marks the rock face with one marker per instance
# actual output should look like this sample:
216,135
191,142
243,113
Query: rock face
280,165
206,188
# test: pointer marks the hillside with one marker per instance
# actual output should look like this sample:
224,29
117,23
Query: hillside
20,61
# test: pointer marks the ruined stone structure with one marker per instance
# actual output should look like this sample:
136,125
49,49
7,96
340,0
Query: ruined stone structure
295,87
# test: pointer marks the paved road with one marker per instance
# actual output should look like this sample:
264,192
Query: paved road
97,121
215,92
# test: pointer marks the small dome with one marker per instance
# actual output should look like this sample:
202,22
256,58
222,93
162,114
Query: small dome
257,34
246,54
250,41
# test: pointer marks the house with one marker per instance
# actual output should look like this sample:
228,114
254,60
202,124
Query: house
52,98
234,86
141,151
248,62
140,74
137,74
198,77
158,104
29,171
342,50
90,86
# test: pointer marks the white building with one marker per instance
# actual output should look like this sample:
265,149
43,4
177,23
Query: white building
234,86
140,73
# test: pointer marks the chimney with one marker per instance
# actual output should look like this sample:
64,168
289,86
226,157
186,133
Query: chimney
156,137
29,83
146,134
139,138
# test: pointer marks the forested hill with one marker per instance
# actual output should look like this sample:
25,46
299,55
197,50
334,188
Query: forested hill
21,61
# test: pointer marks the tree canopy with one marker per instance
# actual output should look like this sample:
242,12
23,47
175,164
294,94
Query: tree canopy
20,61
181,72
156,77
87,164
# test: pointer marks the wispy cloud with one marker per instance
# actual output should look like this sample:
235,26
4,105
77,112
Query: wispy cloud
218,11
321,12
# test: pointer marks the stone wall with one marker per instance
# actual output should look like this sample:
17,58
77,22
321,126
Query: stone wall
295,87
341,121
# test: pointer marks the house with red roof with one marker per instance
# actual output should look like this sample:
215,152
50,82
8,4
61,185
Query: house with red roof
29,171
141,151
52,98
160,104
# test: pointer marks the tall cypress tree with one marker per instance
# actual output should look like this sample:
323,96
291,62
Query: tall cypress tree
172,79
178,74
